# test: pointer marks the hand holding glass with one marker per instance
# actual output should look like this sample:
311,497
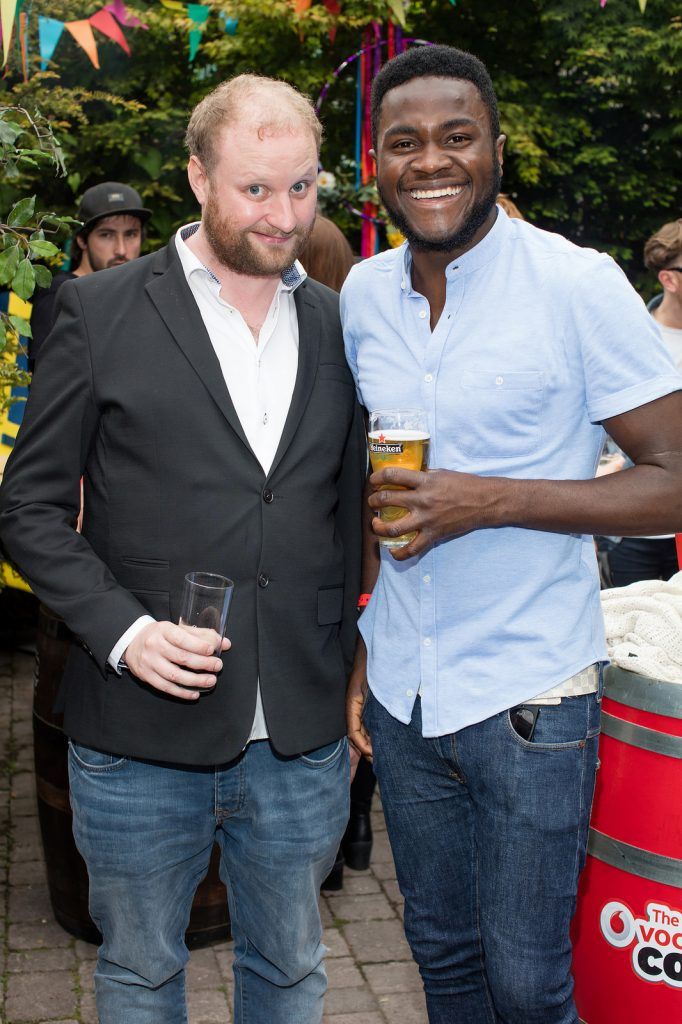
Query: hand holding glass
398,437
205,603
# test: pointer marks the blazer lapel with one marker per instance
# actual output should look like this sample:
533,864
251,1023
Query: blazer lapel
177,307
309,326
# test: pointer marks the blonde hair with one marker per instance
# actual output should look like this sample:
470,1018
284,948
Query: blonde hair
509,206
266,104
664,247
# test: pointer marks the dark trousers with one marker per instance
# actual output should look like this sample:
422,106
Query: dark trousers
642,558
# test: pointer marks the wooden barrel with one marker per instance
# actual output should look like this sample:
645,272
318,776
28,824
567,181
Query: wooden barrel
67,875
627,931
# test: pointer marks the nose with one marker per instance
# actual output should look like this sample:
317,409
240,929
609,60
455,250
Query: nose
431,158
281,214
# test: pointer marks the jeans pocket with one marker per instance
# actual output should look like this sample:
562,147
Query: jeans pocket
564,726
325,756
95,761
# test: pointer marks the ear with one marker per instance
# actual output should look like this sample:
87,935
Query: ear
198,179
373,154
499,149
81,242
668,280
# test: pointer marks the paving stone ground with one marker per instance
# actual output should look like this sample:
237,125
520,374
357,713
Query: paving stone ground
46,974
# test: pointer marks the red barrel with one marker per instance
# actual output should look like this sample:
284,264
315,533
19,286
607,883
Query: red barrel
627,932
67,875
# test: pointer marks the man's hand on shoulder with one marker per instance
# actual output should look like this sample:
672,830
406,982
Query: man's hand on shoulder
174,659
440,503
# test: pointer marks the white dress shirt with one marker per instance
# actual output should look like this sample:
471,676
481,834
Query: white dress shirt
259,376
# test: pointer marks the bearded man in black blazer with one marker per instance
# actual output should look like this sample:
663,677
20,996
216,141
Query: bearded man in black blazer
202,394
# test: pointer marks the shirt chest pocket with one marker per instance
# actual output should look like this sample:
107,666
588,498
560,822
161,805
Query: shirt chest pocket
499,413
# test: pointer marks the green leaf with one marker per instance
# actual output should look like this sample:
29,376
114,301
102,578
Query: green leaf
43,276
9,261
43,249
74,181
9,132
20,325
3,335
24,281
22,212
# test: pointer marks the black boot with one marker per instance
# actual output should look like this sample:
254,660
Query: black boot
356,844
334,880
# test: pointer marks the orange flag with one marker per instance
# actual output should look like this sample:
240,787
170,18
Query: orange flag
82,33
106,23
302,5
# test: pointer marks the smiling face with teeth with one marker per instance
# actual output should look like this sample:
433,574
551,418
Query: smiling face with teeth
438,166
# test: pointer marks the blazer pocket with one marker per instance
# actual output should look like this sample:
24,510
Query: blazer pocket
329,605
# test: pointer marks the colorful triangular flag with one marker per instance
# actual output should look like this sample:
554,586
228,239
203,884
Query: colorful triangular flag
49,33
118,9
105,22
198,14
82,33
8,9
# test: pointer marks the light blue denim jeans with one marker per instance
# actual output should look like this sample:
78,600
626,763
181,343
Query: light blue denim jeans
146,831
489,834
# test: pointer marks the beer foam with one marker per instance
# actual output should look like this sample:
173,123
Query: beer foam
393,436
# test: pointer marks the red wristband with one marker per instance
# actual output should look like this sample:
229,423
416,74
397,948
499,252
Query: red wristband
364,600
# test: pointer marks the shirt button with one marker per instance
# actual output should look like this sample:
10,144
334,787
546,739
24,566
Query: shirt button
409,693
263,580
422,314
428,377
268,497
499,380
427,578
427,641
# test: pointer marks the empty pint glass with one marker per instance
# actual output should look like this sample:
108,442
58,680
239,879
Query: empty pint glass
398,437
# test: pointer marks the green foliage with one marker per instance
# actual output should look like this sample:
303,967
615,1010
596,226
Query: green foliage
22,233
590,100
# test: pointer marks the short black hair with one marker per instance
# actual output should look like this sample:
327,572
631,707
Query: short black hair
434,62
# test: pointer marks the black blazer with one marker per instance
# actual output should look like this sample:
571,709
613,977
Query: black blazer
130,395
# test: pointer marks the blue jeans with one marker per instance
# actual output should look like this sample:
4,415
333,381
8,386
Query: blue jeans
489,836
146,832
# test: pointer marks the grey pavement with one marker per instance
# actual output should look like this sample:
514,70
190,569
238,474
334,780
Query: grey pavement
46,974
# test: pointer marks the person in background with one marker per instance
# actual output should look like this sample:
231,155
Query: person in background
477,684
631,559
509,207
327,257
203,395
111,234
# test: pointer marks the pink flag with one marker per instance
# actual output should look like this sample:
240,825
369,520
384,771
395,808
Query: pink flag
105,22
118,9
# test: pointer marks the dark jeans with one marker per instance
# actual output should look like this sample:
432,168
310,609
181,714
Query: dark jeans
642,558
489,834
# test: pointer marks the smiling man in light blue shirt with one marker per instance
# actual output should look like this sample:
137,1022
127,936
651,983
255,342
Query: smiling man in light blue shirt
484,636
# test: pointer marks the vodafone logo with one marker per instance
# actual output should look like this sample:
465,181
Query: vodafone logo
656,940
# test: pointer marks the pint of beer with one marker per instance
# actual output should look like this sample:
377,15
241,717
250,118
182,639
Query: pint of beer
398,437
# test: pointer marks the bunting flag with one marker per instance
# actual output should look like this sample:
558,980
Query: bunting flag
198,15
7,11
49,34
106,23
83,34
334,8
118,9
301,6
642,5
230,23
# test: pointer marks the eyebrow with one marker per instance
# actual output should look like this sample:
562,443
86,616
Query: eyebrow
455,122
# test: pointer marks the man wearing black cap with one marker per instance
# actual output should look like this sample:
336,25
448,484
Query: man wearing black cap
113,229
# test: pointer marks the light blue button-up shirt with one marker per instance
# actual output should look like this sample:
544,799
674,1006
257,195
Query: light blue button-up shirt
539,341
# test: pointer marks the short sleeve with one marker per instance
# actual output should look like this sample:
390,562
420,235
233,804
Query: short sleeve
625,362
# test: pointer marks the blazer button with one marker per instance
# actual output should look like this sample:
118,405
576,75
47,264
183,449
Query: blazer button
268,497
263,580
